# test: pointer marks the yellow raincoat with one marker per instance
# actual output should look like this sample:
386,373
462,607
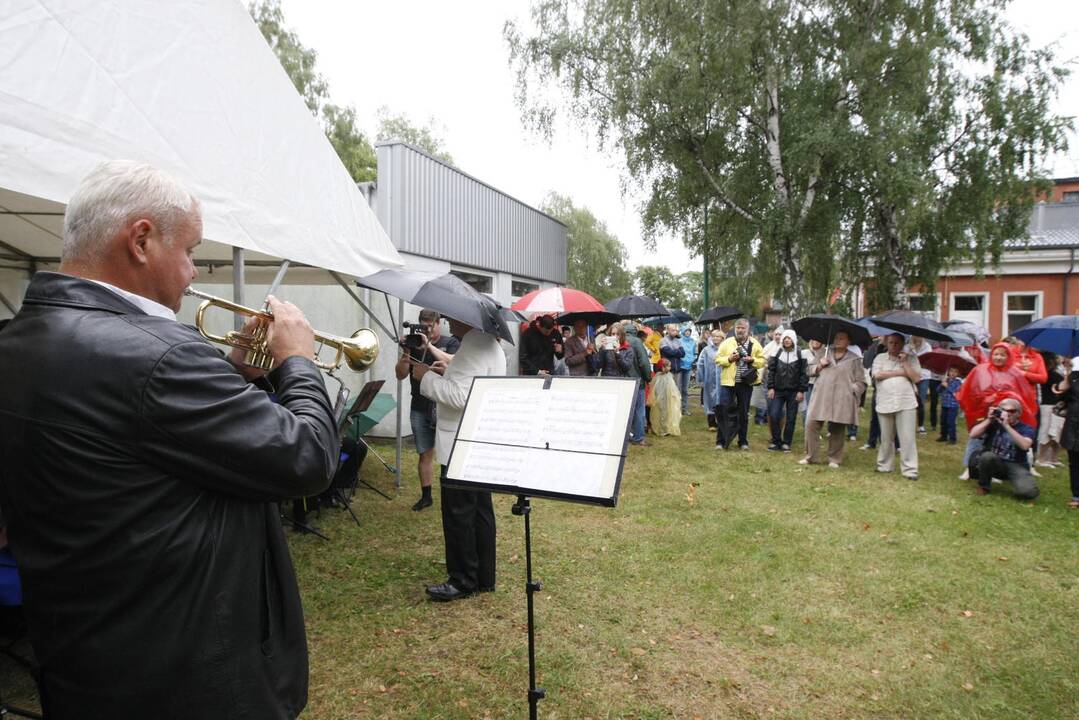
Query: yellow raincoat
666,405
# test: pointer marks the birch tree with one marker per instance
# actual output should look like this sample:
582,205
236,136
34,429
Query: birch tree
787,123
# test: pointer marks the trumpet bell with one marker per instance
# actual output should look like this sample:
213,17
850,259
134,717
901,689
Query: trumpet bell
360,350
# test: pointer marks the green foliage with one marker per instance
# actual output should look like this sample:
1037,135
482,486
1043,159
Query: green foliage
596,259
677,292
823,140
399,127
339,123
350,143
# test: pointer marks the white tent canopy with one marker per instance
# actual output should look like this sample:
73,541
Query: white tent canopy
190,87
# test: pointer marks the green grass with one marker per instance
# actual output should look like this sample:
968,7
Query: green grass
779,591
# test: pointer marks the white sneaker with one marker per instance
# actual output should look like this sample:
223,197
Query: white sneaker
867,446
921,429
1035,473
1045,463
965,475
803,461
833,465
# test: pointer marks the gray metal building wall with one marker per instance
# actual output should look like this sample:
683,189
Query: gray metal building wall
432,209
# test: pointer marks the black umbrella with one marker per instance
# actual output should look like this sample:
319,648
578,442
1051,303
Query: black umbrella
823,328
912,323
677,317
592,318
635,306
448,294
720,313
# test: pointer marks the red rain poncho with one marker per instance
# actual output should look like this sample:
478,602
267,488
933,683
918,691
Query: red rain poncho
987,385
1036,374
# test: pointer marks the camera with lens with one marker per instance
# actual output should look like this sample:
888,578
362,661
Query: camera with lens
742,351
414,340
996,414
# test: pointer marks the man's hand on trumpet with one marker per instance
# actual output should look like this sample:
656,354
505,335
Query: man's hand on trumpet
289,334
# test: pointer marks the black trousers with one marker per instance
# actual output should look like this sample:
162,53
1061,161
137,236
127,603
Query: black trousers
468,525
732,414
934,400
1073,472
987,465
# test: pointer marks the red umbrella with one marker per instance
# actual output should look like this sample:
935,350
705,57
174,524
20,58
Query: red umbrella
557,301
939,361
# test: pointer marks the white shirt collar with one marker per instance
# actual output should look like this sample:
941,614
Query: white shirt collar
148,306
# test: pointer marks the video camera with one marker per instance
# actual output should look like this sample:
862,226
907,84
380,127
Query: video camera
416,337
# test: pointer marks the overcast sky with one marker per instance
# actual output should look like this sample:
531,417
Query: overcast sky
448,62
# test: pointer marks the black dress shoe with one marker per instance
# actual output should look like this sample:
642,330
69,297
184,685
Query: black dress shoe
446,592
423,502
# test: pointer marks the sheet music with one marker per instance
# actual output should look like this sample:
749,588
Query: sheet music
566,441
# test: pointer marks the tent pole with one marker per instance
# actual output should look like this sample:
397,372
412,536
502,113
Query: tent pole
341,281
7,304
237,284
276,282
400,388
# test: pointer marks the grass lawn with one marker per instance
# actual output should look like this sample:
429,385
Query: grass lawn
724,585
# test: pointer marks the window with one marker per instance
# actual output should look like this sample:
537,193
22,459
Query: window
969,303
522,288
970,307
1070,197
481,283
928,305
1021,309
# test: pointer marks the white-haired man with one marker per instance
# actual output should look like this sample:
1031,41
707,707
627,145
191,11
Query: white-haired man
141,470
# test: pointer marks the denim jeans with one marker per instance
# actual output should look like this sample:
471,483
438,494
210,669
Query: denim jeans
636,433
923,388
948,416
783,406
681,378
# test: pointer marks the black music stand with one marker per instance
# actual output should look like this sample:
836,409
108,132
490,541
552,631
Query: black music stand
512,428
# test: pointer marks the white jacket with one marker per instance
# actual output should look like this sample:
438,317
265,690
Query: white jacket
478,355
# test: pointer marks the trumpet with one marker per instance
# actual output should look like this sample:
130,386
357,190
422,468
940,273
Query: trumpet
357,351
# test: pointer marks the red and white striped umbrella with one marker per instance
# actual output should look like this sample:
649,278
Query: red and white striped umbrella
558,301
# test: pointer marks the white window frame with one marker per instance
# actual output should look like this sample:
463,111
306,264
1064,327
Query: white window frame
985,305
539,286
1039,308
472,271
936,313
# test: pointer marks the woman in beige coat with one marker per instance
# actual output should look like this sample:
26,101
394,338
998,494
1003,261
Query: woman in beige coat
840,381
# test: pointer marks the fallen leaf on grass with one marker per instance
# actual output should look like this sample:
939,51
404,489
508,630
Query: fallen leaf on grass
874,671
866,526
691,494
514,558
968,686
462,703
768,630
1002,559
637,651
968,613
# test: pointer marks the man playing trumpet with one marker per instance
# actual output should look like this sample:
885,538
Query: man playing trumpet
141,471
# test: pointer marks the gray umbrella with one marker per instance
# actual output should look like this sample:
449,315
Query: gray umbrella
912,323
448,294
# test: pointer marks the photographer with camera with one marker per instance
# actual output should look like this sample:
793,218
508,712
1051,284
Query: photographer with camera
740,359
424,345
1005,441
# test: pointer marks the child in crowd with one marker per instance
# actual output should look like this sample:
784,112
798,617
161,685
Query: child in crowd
666,402
949,405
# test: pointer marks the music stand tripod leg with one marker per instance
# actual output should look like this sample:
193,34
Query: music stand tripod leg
535,694
340,495
306,528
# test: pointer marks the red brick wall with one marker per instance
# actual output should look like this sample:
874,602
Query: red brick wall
1057,193
1051,287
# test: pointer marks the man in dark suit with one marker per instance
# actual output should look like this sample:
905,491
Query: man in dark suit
141,471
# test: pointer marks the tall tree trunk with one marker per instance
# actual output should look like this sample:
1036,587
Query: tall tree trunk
896,271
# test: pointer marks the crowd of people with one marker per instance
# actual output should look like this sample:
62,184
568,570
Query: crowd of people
1015,399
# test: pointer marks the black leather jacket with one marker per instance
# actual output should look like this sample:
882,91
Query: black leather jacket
139,477
787,376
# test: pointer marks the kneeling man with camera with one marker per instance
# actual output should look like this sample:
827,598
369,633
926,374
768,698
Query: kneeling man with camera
1005,441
